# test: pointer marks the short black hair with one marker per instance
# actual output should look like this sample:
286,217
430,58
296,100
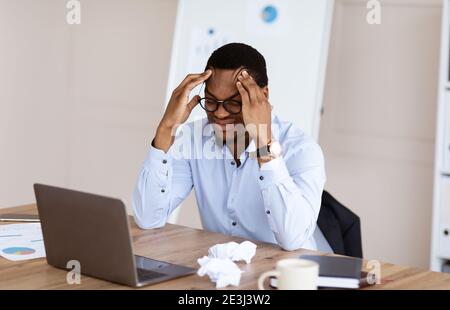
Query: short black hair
237,55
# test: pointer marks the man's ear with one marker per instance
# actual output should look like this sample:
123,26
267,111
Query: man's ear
265,90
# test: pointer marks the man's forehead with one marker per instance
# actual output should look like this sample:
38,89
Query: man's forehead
223,80
224,75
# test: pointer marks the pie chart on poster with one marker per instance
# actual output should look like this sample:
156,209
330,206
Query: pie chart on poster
18,251
269,14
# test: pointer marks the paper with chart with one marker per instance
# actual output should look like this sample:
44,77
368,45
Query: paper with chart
21,241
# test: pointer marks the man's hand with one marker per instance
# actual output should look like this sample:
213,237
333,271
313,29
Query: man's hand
178,109
256,110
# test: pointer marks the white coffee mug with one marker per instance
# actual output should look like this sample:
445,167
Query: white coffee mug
293,274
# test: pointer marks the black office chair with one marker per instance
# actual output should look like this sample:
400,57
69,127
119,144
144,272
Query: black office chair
340,226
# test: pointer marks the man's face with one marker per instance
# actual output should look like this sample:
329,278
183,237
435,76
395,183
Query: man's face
222,86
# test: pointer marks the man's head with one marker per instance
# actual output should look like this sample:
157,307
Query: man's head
226,64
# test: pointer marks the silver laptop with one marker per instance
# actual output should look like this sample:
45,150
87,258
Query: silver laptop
94,230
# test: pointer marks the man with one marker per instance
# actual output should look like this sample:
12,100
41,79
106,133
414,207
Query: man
267,186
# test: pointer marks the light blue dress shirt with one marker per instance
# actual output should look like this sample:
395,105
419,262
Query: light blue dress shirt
278,202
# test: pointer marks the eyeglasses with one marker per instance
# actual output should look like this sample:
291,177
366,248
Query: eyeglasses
212,105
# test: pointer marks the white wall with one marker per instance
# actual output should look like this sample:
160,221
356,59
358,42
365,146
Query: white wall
79,104
378,128
34,85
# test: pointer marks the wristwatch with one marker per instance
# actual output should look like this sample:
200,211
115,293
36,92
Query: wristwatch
272,149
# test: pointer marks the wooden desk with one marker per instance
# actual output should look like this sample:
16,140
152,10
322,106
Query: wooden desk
183,245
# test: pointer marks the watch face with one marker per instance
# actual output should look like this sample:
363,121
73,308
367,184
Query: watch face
275,149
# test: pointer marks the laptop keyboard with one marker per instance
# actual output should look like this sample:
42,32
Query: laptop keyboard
145,274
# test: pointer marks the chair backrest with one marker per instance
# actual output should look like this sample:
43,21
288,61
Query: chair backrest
340,226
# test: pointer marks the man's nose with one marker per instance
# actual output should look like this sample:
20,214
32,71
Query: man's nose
221,112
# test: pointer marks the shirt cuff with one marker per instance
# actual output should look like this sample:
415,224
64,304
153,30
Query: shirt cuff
159,163
273,172
157,155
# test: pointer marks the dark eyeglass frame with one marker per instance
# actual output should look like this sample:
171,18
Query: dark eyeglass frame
219,102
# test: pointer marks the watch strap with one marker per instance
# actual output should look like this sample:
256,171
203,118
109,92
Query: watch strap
263,151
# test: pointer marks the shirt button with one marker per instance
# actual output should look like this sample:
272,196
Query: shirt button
261,178
163,190
164,161
268,211
233,163
234,223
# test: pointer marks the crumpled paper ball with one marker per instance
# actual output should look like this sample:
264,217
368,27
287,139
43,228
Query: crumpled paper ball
219,264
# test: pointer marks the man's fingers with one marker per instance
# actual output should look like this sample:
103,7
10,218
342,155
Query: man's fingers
194,101
243,92
193,83
197,81
250,81
187,88
251,87
193,76
187,79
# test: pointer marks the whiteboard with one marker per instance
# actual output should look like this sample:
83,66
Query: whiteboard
292,35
